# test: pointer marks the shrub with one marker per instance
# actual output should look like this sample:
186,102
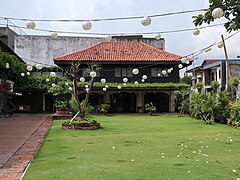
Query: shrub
61,104
104,108
150,107
235,112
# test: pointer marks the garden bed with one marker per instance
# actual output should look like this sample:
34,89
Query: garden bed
81,127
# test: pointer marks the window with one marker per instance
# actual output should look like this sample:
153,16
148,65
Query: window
123,72
156,71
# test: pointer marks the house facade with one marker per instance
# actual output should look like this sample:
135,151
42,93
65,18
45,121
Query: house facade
215,70
117,60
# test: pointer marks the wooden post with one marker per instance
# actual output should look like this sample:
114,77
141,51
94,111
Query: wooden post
228,73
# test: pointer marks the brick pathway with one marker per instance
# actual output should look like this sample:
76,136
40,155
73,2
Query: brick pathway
20,137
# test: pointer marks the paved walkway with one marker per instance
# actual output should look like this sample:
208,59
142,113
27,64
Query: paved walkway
20,137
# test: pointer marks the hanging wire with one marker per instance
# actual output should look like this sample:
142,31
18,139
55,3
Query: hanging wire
103,19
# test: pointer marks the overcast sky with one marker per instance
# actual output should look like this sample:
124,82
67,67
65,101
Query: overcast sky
182,43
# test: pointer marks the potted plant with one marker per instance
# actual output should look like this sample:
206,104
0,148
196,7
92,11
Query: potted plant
104,108
62,107
150,108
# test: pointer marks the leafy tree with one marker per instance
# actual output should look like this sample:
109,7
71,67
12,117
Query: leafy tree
234,82
186,79
231,12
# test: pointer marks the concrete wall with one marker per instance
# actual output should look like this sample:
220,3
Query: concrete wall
7,36
42,49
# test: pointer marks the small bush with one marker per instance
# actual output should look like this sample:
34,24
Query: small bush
150,107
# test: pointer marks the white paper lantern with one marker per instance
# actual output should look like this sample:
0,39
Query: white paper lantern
22,74
217,13
104,89
29,68
66,84
158,37
93,74
28,73
158,74
124,84
125,80
209,49
7,66
82,79
164,72
136,82
144,77
103,80
106,86
220,45
169,71
53,74
188,62
119,87
39,66
70,88
53,84
143,80
108,38
184,60
54,35
146,21
86,86
47,80
87,26
31,25
180,66
135,71
196,32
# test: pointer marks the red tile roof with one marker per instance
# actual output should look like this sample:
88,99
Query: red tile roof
120,51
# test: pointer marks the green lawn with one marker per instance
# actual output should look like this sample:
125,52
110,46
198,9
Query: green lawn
140,147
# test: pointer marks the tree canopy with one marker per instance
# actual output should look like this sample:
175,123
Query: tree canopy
230,11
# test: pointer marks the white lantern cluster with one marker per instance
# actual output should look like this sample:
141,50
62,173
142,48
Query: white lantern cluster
217,13
29,68
53,74
196,32
22,74
7,66
39,66
135,71
28,73
31,25
158,36
125,80
184,60
82,79
87,26
170,70
93,74
103,80
146,21
108,38
54,35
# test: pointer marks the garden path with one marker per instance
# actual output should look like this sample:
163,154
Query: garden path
21,136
